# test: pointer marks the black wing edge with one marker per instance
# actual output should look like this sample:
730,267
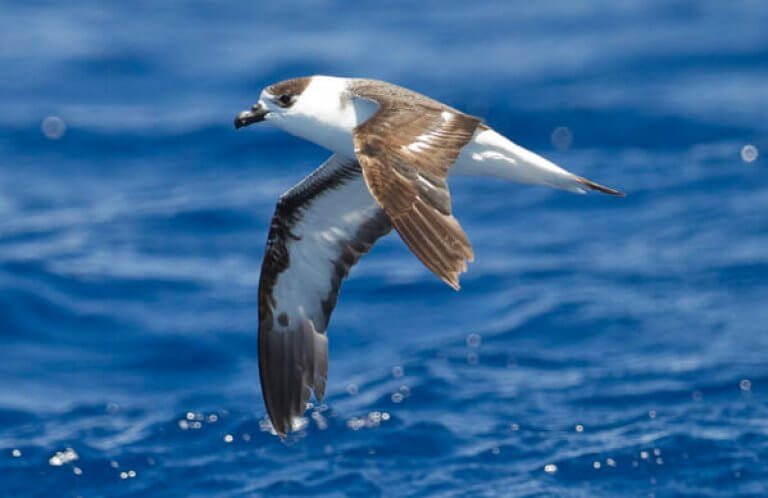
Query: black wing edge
293,363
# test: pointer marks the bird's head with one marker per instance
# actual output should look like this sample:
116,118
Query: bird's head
321,109
276,102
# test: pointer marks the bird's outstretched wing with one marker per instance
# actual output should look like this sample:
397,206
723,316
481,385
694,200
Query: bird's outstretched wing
405,150
320,229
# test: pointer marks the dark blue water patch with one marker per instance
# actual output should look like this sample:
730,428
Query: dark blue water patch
26,316
205,220
731,60
200,358
92,288
742,275
111,64
663,465
19,423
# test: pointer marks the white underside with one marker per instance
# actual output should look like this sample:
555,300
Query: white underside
491,154
331,218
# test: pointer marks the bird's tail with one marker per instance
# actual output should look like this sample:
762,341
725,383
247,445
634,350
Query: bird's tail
600,188
491,154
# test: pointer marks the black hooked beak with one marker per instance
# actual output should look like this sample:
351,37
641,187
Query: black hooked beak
256,114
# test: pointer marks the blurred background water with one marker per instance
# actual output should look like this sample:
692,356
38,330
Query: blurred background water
599,346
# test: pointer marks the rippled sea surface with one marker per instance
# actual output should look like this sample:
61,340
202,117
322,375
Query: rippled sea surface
598,347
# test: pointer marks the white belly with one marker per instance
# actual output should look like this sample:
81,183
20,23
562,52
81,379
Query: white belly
491,154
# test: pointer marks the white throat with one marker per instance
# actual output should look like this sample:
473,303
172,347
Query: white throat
326,114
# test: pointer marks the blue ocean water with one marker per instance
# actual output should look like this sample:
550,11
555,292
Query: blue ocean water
598,347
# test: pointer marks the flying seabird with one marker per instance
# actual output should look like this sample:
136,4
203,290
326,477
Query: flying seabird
393,150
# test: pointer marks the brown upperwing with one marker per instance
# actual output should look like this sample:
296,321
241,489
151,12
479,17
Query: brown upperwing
405,150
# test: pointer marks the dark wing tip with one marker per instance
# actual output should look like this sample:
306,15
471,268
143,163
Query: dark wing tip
600,188
292,364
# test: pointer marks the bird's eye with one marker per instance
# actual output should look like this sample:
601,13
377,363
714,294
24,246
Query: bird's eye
284,100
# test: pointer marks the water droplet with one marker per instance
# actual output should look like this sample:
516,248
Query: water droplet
77,471
745,385
397,372
579,428
397,397
62,457
352,389
656,452
53,127
228,438
610,462
474,340
131,474
644,455
550,468
596,465
114,464
562,138
355,423
749,153
15,453
514,427
384,416
212,418
123,475
652,414
659,461
299,424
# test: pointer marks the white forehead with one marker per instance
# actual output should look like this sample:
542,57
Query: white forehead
325,89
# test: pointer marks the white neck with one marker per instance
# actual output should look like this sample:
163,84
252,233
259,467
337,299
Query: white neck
326,114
